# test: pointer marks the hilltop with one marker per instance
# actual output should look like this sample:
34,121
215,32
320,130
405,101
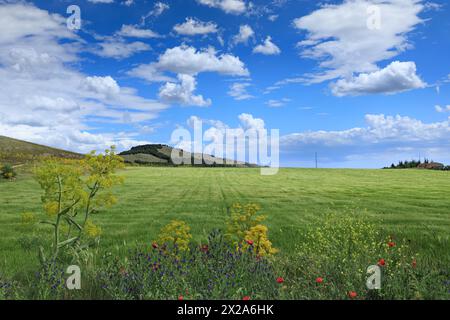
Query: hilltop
160,154
16,151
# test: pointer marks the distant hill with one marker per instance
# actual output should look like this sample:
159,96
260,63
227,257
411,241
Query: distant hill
18,151
159,154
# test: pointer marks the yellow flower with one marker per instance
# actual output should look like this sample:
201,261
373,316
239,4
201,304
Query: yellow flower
176,233
92,230
51,208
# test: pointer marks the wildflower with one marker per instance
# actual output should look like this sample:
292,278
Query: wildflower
250,242
414,263
391,244
352,294
246,298
381,262
204,248
280,280
155,245
319,280
180,298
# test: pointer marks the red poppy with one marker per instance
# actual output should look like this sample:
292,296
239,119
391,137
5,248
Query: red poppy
280,280
319,280
180,298
204,248
352,294
155,245
246,298
391,244
381,262
250,242
414,263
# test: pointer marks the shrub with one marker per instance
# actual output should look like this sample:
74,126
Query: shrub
244,229
73,191
7,172
176,234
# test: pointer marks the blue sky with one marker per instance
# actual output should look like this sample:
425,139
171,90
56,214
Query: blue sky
362,82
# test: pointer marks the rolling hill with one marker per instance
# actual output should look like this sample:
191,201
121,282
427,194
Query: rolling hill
160,155
18,151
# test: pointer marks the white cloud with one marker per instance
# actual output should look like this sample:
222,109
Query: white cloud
278,103
102,85
158,9
238,91
128,2
135,32
245,33
192,27
383,140
188,60
396,77
229,6
182,92
249,122
101,1
339,37
440,109
45,100
267,48
118,48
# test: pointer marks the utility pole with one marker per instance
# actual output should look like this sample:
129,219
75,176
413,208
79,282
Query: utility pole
316,160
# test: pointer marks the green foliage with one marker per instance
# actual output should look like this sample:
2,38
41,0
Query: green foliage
176,234
9,290
244,229
73,191
152,149
340,249
214,270
7,171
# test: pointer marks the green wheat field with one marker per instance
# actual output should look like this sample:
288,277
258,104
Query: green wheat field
410,204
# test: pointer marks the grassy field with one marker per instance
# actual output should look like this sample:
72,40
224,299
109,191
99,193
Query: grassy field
412,204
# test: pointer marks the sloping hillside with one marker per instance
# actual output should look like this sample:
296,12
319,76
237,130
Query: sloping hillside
159,154
17,151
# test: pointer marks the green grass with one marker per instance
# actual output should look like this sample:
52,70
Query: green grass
412,204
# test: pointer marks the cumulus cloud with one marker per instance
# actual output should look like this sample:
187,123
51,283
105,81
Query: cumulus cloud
383,140
216,134
238,91
44,99
245,33
249,122
229,6
192,27
103,85
182,92
267,48
396,77
188,60
341,38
